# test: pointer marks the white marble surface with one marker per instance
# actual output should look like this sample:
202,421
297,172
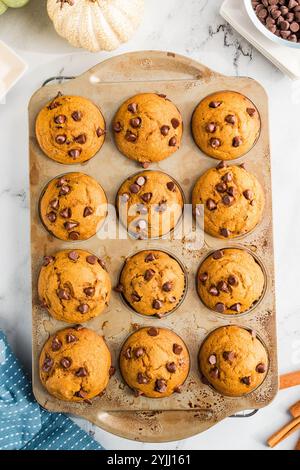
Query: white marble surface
193,28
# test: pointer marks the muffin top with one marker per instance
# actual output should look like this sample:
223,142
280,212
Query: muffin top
154,362
150,204
226,125
152,282
148,128
233,201
75,364
70,129
73,206
233,360
74,285
230,281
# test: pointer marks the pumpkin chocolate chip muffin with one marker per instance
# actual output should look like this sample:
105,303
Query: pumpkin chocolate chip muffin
233,201
154,362
233,361
70,129
73,206
149,204
226,125
152,282
75,365
74,286
148,128
230,281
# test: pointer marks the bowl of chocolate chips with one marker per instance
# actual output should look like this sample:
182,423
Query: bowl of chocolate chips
279,20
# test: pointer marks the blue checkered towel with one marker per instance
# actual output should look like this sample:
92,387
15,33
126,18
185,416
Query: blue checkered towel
24,425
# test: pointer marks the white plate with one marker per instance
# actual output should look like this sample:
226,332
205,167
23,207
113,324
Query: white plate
12,67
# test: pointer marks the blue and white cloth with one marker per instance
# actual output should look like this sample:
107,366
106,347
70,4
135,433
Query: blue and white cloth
24,425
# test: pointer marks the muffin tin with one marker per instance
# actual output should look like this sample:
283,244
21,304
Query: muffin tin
198,406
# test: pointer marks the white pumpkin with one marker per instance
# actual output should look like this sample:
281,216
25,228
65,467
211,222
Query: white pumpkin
96,25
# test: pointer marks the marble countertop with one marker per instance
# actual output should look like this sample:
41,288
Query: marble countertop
193,28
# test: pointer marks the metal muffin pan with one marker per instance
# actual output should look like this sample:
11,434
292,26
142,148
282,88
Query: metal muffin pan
198,406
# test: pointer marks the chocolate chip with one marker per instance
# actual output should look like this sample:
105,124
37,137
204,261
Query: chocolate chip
87,211
211,205
177,349
54,204
66,213
246,380
81,372
157,304
139,352
261,368
51,217
70,338
232,280
60,139
213,291
221,165
227,200
132,108
100,132
65,189
140,181
138,393
227,178
222,286
221,187
127,353
112,371
135,298
146,197
243,166
130,137
63,294
60,119
56,344
215,104
149,274
164,130
172,299
211,127
117,127
70,225
203,277
215,143
89,291
167,286
175,123
81,139
162,95
54,104
220,307
237,141
135,122
134,188
150,257
66,362
76,115
212,359
178,389
61,181
231,119
173,142
153,331
160,386
218,254
81,394
236,307
224,232
171,367
145,164
231,191
83,308
47,364
214,373
74,153
229,356
142,378
92,259
171,186
248,194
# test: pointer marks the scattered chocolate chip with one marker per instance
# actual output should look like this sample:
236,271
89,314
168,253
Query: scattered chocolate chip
221,187
157,304
231,119
100,132
227,200
162,95
65,189
119,288
178,389
211,205
237,141
92,259
171,186
215,104
153,331
127,353
215,143
246,380
54,204
175,123
164,130
177,349
130,137
56,344
142,378
135,122
60,139
51,216
146,197
60,119
222,286
218,254
171,367
149,274
135,298
117,127
132,108
212,359
74,153
160,386
214,373
89,291
70,338
172,299
87,211
227,178
221,165
47,364
220,307
140,181
134,188
173,142
213,291
145,164
224,232
54,104
232,280
63,294
261,368
150,257
61,181
211,127
83,308
66,362
81,372
81,139
139,352
76,116
81,394
232,191
203,277
236,307
167,286
66,213
229,356
112,371
70,225
248,194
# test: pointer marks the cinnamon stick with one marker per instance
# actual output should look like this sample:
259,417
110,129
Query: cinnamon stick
284,432
290,380
298,445
295,410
